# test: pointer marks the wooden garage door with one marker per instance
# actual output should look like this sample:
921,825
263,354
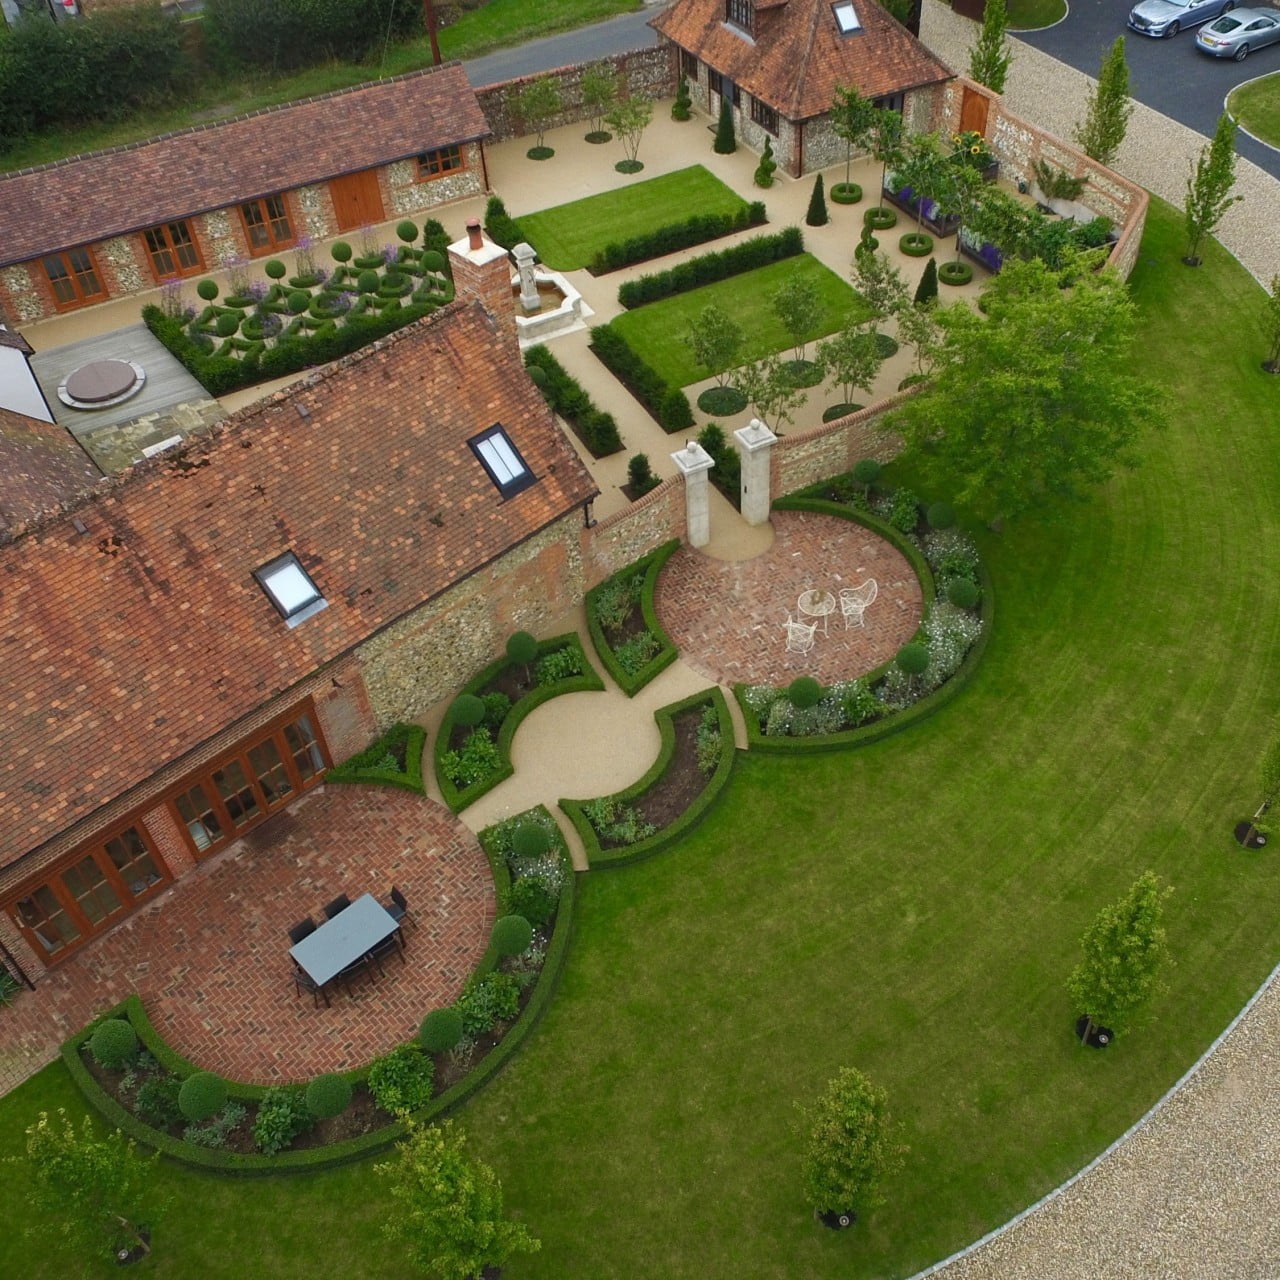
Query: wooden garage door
357,202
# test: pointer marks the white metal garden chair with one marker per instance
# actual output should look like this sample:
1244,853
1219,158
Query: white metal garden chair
855,601
799,635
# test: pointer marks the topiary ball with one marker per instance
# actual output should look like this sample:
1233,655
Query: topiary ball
114,1044
207,289
529,840
522,647
432,260
468,710
368,281
407,230
537,375
341,251
941,515
299,300
867,471
227,324
441,1030
274,268
202,1095
328,1095
804,692
963,593
512,935
912,658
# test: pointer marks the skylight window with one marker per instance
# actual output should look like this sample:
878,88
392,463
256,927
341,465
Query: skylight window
502,460
846,18
289,587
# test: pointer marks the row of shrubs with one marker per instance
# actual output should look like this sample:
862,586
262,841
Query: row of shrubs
393,760
707,268
501,227
675,236
668,405
567,397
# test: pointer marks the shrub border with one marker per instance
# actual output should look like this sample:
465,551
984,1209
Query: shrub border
410,780
667,654
234,1164
458,799
886,727
608,859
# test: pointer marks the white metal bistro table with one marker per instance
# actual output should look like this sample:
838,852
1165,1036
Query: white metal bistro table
343,940
819,605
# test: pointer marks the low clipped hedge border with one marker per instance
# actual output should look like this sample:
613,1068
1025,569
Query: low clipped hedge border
607,859
361,767
707,268
667,405
667,654
900,720
458,798
697,229
569,398
233,1164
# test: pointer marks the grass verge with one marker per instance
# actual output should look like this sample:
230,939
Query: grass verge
1256,107
1029,15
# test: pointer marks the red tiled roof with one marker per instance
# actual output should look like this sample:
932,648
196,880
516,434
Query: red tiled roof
799,56
126,646
41,467
106,193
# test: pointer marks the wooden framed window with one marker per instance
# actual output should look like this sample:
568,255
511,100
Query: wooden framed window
73,276
263,774
765,116
740,14
90,892
266,224
441,161
689,66
173,250
715,82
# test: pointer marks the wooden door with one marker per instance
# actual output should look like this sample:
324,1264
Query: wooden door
357,201
973,112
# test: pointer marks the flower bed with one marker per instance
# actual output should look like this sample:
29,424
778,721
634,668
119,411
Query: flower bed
394,760
693,765
472,761
624,626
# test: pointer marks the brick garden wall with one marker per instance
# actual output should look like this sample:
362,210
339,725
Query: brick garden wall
628,534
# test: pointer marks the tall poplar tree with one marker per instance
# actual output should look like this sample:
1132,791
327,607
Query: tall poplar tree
990,56
1209,187
1109,109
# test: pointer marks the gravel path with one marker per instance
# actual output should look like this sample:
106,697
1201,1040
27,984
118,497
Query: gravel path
1191,1192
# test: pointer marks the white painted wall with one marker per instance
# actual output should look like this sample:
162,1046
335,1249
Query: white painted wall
19,389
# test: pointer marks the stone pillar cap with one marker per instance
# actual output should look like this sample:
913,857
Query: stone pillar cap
692,459
755,435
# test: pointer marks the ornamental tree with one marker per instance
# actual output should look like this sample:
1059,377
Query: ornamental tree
852,121
1270,323
1037,400
447,1206
796,304
991,55
1107,115
771,391
852,358
880,285
715,341
537,103
927,170
1209,187
886,142
629,118
599,92
1125,949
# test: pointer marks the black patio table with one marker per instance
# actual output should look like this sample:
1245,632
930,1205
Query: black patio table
341,941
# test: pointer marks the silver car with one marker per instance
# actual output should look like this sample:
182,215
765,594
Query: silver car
1235,34
1168,17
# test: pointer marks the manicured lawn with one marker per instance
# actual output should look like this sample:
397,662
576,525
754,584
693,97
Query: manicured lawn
911,908
568,236
1256,106
658,329
1027,15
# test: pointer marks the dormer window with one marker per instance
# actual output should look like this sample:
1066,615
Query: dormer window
289,587
740,13
499,456
847,20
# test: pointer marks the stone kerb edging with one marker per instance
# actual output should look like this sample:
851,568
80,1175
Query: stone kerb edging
1132,1131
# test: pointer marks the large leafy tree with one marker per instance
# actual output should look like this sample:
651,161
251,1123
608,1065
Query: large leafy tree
1036,400
1107,116
1209,187
852,119
990,56
715,339
1125,950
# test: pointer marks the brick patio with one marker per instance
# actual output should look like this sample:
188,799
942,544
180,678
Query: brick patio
210,956
726,616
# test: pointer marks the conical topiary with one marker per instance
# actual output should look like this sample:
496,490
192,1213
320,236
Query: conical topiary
680,108
726,143
817,215
927,289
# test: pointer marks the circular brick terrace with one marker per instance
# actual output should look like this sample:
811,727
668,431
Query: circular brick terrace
210,959
726,616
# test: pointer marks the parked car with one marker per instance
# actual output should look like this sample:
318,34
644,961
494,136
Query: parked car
1167,17
1234,35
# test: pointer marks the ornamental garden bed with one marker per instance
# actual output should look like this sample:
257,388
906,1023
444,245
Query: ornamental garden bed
623,622
394,760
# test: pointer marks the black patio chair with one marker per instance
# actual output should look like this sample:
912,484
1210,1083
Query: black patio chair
303,981
398,908
337,906
354,970
392,944
303,929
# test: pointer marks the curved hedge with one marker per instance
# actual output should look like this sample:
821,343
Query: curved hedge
898,720
363,766
457,798
606,859
667,654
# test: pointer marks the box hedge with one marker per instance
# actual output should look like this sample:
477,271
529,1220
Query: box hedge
675,236
567,397
667,405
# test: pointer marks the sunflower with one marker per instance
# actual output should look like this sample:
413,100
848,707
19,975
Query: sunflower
976,149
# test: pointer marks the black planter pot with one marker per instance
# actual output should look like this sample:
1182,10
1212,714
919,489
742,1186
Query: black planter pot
126,1256
837,1221
1248,836
1099,1037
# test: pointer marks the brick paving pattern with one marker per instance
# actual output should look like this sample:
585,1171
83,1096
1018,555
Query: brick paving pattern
726,616
210,960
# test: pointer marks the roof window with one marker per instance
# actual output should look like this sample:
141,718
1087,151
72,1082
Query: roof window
502,460
289,587
846,17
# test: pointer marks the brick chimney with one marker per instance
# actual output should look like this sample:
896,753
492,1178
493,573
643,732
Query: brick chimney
482,270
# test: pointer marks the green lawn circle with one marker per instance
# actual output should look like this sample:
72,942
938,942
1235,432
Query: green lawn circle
540,153
722,402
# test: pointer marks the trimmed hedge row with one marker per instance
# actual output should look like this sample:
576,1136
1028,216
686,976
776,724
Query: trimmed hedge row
366,766
501,227
667,405
707,268
899,720
607,859
458,798
675,236
567,397
233,1164
651,565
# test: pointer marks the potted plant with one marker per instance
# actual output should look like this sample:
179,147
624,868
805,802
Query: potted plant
971,150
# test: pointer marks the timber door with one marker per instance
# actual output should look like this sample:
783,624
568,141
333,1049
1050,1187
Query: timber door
973,112
357,201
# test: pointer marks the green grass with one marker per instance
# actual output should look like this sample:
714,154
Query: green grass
499,24
1256,106
1027,15
657,330
912,908
568,236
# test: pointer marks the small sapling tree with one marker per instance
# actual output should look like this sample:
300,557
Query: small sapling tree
853,118
537,103
599,92
796,304
629,118
715,341
1209,187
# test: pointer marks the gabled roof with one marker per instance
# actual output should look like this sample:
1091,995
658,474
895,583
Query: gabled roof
41,468
105,193
798,55
127,645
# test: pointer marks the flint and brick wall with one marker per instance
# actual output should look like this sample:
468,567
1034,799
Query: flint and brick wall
625,536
